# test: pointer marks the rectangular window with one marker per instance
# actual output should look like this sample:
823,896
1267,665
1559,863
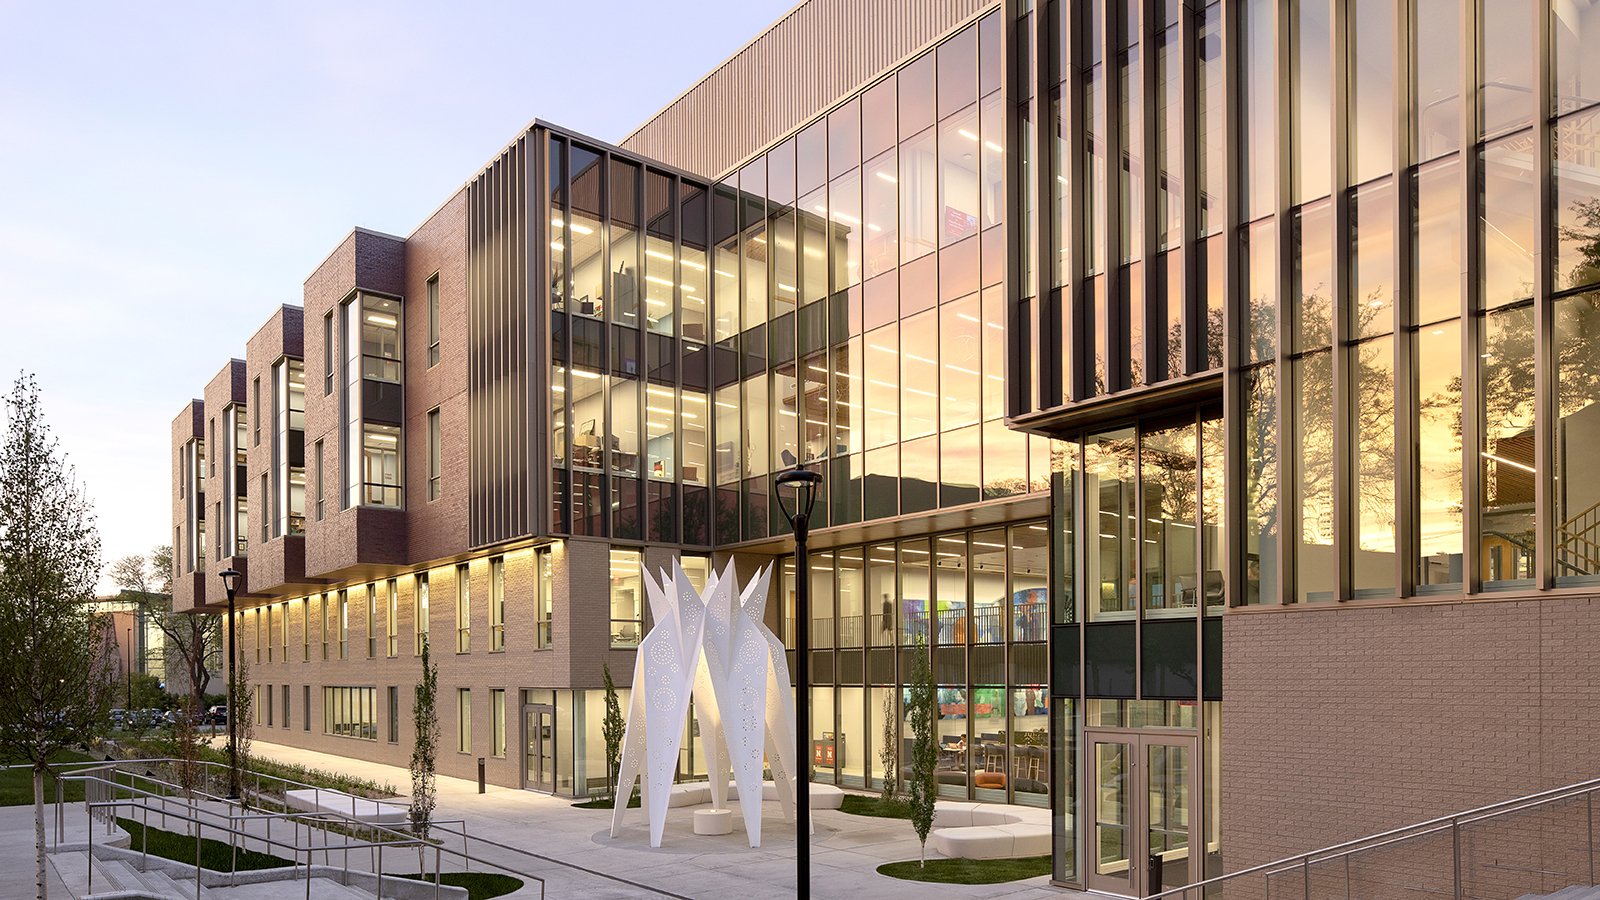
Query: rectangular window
419,612
258,637
542,590
268,692
497,603
255,409
433,321
463,611
319,480
394,615
305,629
283,634
350,712
464,720
255,701
327,357
370,344
372,620
327,624
497,703
435,460
627,601
394,715
305,708
344,625
286,715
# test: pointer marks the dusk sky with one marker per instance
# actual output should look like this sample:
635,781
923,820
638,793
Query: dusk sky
170,173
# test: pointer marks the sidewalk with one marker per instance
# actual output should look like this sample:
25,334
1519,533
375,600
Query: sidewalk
16,850
846,849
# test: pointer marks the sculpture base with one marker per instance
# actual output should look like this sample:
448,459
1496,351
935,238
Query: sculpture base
713,821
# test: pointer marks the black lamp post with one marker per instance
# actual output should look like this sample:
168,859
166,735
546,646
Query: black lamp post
230,581
806,484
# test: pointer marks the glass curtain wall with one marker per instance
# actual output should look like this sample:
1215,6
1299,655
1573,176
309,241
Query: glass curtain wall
630,274
983,594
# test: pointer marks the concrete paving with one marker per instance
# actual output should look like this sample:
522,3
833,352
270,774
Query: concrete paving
573,851
578,858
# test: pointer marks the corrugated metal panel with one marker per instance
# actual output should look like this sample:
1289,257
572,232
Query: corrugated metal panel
497,368
816,54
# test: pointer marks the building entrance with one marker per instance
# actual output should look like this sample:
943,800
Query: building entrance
539,730
1142,792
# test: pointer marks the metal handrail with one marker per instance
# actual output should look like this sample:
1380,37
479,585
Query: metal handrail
1438,825
238,835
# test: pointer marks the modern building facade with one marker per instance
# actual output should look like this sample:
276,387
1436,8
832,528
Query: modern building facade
1207,384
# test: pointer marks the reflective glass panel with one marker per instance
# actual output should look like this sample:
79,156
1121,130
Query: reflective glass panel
1316,565
1577,493
1436,211
1109,485
1506,457
1373,567
1438,454
1508,230
1170,464
1436,104
1577,199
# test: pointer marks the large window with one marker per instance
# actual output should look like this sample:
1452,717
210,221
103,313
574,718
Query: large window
392,620
288,490
463,720
433,321
497,705
463,610
435,456
497,603
371,403
350,712
627,599
544,586
419,612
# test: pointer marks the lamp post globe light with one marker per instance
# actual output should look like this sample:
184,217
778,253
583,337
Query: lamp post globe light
230,581
805,484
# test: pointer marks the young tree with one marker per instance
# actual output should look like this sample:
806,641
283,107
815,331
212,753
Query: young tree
425,723
241,712
57,659
192,642
886,751
924,746
612,728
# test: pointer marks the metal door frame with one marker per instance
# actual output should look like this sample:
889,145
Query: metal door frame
548,785
1138,818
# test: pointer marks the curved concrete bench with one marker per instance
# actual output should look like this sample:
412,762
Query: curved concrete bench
967,830
823,796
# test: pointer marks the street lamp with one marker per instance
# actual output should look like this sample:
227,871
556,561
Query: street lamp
806,485
230,581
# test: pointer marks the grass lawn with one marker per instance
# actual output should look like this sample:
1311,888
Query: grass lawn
968,871
214,855
16,785
479,885
857,805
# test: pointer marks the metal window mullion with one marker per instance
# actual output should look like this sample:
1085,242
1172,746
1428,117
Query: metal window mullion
1471,323
1115,326
1149,50
1345,525
1074,332
1233,407
1283,100
1406,461
540,374
1545,357
1044,323
1014,190
1187,247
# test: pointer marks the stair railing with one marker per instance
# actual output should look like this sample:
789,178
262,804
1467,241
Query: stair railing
1576,802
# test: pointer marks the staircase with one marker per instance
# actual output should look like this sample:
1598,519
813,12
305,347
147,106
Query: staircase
121,877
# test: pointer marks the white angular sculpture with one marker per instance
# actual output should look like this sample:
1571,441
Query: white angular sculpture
737,672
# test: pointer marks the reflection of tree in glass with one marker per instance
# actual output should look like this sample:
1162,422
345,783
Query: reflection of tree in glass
1586,237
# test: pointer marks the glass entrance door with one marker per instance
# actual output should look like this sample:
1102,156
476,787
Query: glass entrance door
1143,791
539,729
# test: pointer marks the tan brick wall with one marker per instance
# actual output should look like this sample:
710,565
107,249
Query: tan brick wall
1341,723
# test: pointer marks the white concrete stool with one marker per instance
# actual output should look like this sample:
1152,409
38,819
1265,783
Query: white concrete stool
713,821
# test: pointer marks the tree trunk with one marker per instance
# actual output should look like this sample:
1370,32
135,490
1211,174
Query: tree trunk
923,862
38,828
